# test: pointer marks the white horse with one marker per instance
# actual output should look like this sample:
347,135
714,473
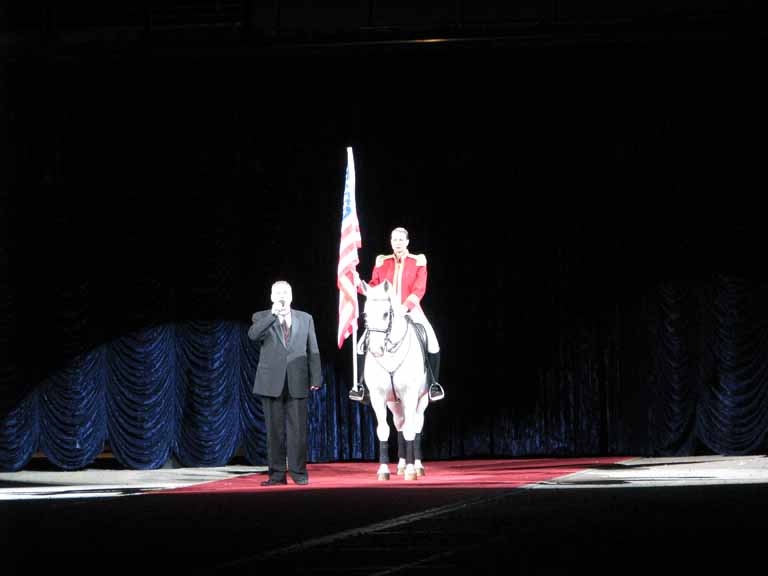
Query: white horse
395,373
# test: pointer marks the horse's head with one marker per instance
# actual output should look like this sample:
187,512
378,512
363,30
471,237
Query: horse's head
378,310
380,315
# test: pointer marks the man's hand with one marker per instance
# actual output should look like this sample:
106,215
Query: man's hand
279,308
314,388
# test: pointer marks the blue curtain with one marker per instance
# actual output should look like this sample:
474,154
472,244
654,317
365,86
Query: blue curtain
682,369
73,417
171,392
711,377
143,387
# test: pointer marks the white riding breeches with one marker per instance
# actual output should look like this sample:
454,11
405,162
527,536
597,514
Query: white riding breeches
417,315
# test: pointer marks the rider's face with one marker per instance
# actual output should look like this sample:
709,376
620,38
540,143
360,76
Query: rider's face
399,243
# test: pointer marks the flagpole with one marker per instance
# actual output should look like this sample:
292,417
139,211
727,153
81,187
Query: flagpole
347,277
357,306
354,356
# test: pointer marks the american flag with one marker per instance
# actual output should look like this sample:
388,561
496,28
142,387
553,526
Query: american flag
348,260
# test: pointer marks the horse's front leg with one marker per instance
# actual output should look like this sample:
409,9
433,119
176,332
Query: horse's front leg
382,431
401,455
410,465
410,431
417,462
383,471
399,420
419,425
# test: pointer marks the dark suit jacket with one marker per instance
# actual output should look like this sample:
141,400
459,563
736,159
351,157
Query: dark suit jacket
299,360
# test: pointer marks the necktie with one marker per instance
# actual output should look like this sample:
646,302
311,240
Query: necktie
286,332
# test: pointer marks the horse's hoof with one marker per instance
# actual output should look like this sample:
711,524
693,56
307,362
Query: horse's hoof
411,476
420,472
400,471
383,476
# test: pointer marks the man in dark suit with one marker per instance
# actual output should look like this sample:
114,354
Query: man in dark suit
289,367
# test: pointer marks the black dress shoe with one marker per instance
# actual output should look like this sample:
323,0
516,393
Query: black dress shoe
273,482
301,481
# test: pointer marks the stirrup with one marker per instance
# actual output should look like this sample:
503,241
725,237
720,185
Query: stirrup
436,392
359,394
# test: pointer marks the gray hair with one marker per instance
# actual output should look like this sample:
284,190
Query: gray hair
399,229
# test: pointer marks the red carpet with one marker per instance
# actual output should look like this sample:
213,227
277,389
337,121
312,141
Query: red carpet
464,475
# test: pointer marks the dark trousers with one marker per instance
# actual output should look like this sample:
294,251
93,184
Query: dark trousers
286,421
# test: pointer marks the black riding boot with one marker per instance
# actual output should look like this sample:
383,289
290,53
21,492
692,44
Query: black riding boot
436,391
360,394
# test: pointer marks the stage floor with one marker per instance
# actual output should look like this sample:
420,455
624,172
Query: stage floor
526,516
531,473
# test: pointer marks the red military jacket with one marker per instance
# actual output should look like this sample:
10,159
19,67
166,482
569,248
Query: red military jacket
409,277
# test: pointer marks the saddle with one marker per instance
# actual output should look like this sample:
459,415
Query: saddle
421,334
421,337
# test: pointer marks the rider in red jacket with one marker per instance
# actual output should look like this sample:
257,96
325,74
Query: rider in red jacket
408,275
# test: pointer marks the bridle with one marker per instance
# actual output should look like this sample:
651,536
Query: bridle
390,346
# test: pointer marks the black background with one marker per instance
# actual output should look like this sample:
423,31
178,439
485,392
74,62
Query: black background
553,167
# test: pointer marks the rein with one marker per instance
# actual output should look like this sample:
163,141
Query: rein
391,347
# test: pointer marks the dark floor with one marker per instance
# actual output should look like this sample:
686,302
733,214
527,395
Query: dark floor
643,518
